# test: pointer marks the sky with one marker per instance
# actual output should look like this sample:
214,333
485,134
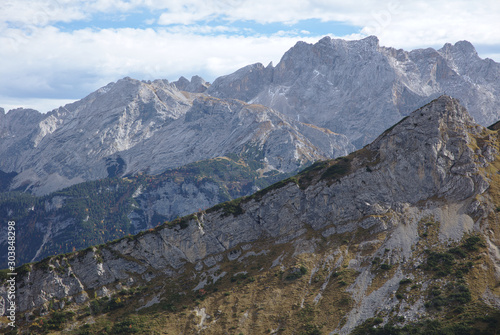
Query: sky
53,52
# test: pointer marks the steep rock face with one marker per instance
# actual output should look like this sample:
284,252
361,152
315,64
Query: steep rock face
16,130
214,127
132,126
373,218
71,144
438,135
96,212
359,88
173,199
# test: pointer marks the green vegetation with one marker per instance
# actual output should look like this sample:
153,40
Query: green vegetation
56,321
340,168
454,294
232,207
240,277
296,273
305,177
440,262
179,222
258,195
105,305
468,325
306,317
132,324
385,266
454,260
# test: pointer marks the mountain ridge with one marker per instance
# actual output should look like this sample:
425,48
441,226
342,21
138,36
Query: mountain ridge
359,88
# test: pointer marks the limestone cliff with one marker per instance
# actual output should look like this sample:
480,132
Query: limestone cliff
359,88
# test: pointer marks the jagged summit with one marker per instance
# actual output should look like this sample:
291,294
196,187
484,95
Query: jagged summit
359,88
244,84
442,113
370,41
436,135
464,47
335,43
196,85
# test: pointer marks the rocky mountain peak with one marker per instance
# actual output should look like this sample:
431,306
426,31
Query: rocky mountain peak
441,114
359,88
463,58
463,47
370,42
430,152
243,84
195,85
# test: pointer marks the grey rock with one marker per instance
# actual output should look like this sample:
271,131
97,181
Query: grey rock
132,126
359,88
196,85
213,128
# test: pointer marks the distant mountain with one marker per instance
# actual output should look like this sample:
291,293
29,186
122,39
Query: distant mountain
399,237
132,126
359,89
356,89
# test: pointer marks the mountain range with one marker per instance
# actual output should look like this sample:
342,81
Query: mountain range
399,237
136,154
132,126
355,89
359,88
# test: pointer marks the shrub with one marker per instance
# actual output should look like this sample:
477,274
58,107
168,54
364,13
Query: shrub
385,266
472,243
296,273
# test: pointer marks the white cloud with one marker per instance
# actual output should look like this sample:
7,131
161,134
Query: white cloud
38,13
200,29
42,105
68,64
39,60
399,23
416,24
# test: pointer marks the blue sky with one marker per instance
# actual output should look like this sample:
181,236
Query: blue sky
57,51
